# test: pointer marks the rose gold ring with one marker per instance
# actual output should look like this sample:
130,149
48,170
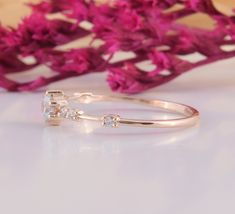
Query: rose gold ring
56,108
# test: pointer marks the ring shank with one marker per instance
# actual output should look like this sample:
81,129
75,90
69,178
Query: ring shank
190,116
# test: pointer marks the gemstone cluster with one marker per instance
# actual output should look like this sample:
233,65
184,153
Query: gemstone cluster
54,104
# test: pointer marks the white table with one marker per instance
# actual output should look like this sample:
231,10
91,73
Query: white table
75,170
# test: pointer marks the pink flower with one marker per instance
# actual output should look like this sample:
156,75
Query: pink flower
81,10
147,28
161,60
125,80
130,80
37,33
125,29
7,84
11,63
75,61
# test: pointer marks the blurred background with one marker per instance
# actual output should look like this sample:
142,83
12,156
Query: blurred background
11,11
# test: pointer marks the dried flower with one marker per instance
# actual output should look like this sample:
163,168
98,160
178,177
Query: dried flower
145,27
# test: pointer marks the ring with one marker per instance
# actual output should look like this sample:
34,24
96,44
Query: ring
56,107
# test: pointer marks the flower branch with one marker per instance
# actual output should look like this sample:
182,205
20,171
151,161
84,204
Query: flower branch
148,28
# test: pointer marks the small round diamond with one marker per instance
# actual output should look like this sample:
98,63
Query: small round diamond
72,114
53,103
111,120
64,111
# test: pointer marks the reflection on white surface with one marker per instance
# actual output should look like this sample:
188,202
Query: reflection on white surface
63,140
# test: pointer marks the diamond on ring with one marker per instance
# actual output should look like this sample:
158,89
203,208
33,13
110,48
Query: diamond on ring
111,120
53,103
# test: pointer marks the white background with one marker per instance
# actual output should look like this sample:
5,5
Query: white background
74,169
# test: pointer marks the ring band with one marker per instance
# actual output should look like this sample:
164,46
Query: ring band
56,108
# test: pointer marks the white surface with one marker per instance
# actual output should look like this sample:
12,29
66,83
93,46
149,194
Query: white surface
71,170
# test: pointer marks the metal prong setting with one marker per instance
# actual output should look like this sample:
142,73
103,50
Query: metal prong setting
111,120
53,103
71,114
